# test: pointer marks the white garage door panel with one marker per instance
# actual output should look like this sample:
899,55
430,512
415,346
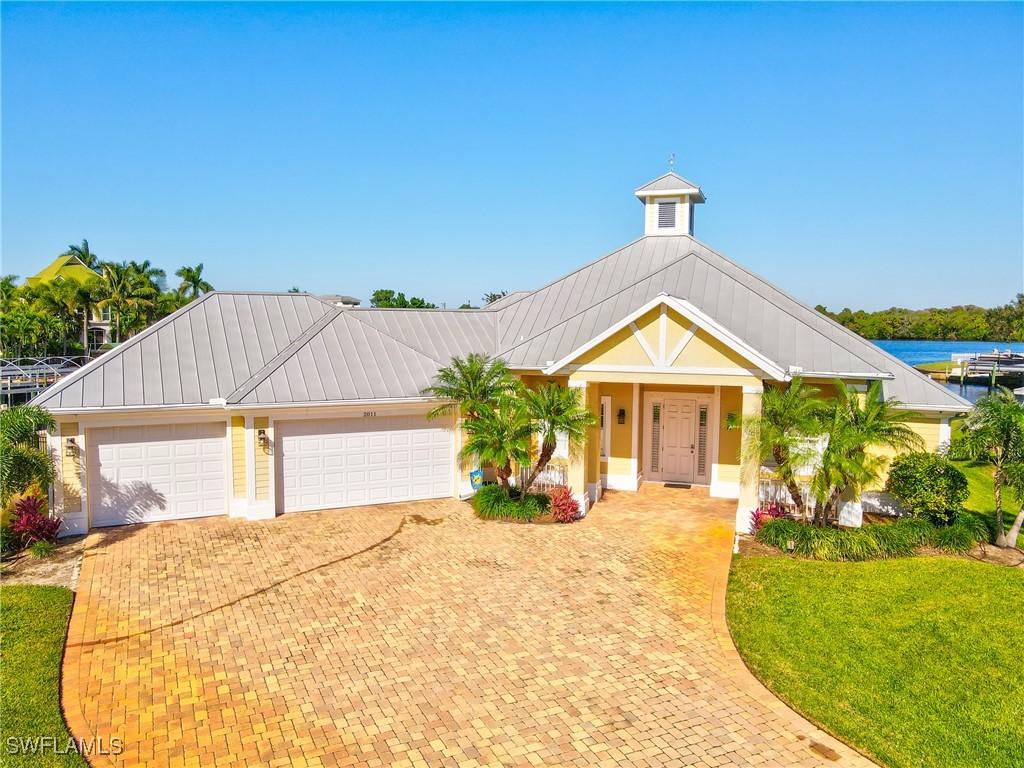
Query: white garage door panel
147,473
348,462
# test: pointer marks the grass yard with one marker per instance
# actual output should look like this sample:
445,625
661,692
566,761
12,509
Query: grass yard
943,366
914,661
982,499
33,621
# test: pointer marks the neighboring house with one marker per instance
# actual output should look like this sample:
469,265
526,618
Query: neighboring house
340,301
254,404
70,267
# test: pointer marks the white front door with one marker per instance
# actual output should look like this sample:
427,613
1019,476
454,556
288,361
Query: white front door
155,472
678,444
369,460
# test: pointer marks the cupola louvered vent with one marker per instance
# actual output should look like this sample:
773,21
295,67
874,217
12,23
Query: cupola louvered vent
666,214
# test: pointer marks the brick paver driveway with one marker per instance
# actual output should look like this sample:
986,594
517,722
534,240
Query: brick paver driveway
418,635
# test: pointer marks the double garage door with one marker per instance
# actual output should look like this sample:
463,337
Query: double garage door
172,472
370,460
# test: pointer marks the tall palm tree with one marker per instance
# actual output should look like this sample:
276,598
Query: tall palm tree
469,384
994,433
192,282
61,299
84,253
780,433
854,425
556,410
154,275
500,434
125,291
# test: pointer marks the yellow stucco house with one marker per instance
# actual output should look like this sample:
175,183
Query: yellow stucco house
255,404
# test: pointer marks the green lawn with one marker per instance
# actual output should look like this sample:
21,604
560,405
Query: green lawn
982,499
916,661
940,367
33,622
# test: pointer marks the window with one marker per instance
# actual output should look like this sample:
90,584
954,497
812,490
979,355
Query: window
655,437
606,427
666,214
702,440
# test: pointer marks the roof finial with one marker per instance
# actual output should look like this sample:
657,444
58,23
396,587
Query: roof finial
672,162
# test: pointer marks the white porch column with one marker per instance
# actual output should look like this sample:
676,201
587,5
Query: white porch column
578,454
749,470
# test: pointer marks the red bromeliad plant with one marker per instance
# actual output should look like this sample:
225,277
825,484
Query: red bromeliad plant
773,510
32,523
564,507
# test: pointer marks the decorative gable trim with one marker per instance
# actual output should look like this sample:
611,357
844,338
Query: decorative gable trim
699,320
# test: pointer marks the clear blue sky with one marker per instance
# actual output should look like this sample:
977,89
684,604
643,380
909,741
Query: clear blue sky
860,155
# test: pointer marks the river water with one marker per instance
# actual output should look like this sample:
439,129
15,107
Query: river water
914,352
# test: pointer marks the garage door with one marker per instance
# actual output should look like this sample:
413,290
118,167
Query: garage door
166,472
373,460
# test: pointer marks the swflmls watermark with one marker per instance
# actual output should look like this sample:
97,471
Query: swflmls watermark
52,745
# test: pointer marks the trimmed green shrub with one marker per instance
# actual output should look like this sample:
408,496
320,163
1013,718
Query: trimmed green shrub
872,542
493,503
42,549
928,485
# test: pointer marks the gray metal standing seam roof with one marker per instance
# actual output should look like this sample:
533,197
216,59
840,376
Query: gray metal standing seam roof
670,181
275,349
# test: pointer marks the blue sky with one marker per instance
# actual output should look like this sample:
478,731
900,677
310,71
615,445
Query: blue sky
860,155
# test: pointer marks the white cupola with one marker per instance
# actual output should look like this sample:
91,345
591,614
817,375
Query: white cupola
668,205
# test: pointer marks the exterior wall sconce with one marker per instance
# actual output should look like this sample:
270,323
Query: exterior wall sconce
262,440
621,416
70,448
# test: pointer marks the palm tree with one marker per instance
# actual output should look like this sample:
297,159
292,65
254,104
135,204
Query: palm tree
8,290
470,384
22,461
62,299
789,416
854,426
500,434
192,281
994,433
124,290
83,252
154,275
556,410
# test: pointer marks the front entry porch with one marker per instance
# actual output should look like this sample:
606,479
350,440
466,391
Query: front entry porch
663,433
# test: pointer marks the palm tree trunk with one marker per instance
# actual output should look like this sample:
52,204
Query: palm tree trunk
85,330
1011,537
997,487
504,473
546,452
781,460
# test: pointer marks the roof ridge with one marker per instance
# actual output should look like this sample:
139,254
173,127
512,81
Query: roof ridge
394,338
625,288
851,334
803,322
567,275
120,349
281,357
307,336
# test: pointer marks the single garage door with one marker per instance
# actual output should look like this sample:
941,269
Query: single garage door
166,472
370,460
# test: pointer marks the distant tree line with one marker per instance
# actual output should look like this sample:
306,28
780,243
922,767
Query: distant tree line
960,323
53,318
389,299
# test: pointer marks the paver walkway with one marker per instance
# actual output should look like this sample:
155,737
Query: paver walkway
417,635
